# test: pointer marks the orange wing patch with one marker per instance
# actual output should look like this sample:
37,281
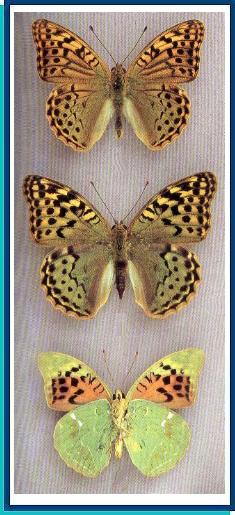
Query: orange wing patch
173,389
67,390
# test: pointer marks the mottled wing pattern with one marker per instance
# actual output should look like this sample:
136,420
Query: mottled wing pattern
157,437
78,110
172,381
157,112
164,278
171,57
78,283
83,438
69,382
62,56
59,215
78,114
157,109
180,213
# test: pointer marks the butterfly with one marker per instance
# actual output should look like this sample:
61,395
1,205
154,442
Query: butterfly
155,437
78,274
88,93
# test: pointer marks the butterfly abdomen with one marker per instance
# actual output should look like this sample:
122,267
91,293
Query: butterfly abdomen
119,241
121,271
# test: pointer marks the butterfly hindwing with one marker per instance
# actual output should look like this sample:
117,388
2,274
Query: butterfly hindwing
59,215
79,113
157,439
172,381
69,382
157,113
164,278
78,283
83,438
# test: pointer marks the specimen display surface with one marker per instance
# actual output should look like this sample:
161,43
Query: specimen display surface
119,170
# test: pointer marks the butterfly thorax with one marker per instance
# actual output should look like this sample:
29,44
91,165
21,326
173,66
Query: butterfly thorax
119,233
117,84
119,416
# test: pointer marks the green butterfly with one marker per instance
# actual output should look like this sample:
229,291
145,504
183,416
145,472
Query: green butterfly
155,437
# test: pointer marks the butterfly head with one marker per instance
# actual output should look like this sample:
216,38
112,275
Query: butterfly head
118,395
119,227
119,409
119,231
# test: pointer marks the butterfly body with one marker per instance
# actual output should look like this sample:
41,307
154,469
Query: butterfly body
143,421
118,74
88,94
119,233
119,410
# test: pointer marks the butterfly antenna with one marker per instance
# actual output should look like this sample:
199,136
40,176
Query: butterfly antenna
142,33
92,183
130,369
132,364
133,207
102,44
106,363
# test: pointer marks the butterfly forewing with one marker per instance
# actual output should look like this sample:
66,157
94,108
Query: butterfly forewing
173,56
180,213
69,382
62,56
172,381
59,215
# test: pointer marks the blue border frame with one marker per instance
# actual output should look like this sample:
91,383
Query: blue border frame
5,268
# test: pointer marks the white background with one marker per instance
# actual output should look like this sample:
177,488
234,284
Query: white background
119,170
